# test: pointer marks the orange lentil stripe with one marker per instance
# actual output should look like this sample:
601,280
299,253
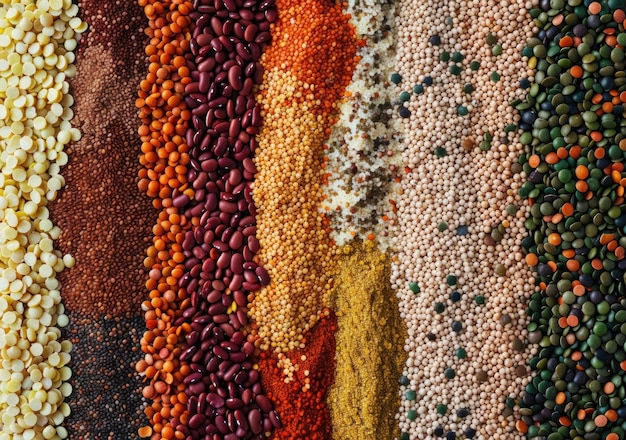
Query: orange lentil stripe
164,159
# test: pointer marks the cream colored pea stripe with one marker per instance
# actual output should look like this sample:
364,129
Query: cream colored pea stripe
36,59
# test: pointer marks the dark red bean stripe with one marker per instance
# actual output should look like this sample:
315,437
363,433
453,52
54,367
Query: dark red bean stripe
226,400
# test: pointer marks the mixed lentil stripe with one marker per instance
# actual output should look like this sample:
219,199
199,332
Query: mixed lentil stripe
575,137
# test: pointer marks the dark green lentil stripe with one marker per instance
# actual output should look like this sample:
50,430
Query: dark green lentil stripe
559,112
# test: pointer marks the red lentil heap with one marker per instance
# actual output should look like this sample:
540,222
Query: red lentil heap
104,220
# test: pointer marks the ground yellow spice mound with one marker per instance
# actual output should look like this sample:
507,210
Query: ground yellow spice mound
362,401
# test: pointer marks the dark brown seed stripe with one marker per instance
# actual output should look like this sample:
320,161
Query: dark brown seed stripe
226,399
104,222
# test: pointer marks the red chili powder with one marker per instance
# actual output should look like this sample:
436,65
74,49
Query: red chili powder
304,414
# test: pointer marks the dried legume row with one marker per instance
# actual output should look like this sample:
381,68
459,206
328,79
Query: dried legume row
361,164
164,177
37,40
459,273
225,397
299,99
575,133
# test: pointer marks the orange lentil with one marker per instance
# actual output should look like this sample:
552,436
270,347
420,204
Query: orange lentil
552,158
576,71
568,253
582,172
594,8
566,41
575,151
600,420
581,186
531,259
567,209
572,265
562,153
572,320
554,238
611,415
597,136
534,160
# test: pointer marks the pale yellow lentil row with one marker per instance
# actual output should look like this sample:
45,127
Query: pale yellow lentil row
36,59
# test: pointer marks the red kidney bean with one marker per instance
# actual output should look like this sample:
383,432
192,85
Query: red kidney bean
233,402
196,388
255,51
264,403
266,4
248,255
263,276
216,26
216,309
230,109
234,77
250,33
241,418
247,396
262,37
204,82
214,296
230,5
271,15
250,276
247,221
255,421
234,321
204,39
228,207
235,283
215,400
243,52
220,352
242,317
220,245
232,426
181,200
192,338
253,244
207,66
196,421
273,416
249,166
226,44
241,378
238,357
236,241
228,27
247,348
220,319
192,378
236,263
188,353
235,126
213,365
